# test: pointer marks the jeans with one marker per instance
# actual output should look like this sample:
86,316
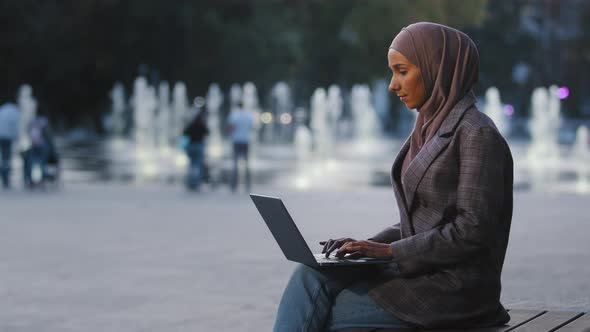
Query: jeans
196,170
330,299
5,158
35,156
240,151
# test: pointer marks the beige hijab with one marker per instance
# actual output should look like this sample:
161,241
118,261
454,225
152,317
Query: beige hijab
449,63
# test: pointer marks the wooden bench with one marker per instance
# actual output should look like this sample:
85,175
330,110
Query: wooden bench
520,321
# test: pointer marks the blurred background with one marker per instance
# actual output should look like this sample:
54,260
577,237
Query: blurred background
99,70
124,127
73,52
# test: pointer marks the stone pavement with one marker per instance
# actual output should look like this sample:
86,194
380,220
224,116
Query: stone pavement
116,257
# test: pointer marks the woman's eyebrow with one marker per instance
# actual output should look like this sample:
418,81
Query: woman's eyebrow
397,66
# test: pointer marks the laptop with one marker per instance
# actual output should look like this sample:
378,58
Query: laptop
285,232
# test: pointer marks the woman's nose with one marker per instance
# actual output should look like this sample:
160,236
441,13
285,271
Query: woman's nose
393,85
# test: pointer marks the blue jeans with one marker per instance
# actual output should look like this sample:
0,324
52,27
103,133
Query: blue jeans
330,299
5,158
196,168
35,156
240,151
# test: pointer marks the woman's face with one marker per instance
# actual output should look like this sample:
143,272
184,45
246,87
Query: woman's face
406,81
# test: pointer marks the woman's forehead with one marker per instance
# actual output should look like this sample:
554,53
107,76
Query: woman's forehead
395,57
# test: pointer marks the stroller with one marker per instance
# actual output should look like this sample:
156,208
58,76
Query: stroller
52,169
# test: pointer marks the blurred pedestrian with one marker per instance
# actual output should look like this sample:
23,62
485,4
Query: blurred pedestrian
41,148
195,133
240,126
9,122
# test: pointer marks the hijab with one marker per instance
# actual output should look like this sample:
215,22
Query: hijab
449,64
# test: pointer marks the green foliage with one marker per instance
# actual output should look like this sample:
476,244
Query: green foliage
72,52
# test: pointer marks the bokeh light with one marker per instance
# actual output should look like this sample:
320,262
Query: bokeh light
509,110
266,117
563,92
199,101
286,118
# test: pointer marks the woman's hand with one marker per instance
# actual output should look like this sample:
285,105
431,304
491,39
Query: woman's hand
365,248
332,245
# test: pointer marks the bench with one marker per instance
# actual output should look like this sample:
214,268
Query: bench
520,321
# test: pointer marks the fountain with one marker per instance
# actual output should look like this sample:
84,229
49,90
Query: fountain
28,108
250,103
315,159
581,158
141,112
555,108
235,96
493,108
180,111
367,129
163,119
381,99
543,153
117,144
151,153
171,160
214,100
303,139
303,146
334,104
544,125
322,136
118,117
235,99
281,96
581,147
144,106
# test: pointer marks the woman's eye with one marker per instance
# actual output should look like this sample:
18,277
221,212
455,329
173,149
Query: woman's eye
403,72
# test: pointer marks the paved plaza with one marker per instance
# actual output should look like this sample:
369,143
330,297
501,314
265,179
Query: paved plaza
115,257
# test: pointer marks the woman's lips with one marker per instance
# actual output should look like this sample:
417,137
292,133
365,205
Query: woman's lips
402,98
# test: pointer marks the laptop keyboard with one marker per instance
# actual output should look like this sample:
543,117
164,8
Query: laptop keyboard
332,258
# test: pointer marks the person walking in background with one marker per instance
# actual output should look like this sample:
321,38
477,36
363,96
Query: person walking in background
9,122
196,132
240,125
41,146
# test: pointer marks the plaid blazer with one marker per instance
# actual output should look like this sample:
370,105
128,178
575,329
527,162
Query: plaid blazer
455,203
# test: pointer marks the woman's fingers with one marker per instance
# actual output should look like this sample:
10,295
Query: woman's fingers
327,245
333,246
350,247
366,248
323,244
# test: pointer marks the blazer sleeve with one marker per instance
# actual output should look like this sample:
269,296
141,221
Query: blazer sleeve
388,235
480,199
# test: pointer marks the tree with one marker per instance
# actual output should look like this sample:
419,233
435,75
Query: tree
72,52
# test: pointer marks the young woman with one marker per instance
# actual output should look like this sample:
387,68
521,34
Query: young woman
453,185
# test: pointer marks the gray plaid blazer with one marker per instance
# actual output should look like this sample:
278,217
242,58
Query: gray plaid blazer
455,203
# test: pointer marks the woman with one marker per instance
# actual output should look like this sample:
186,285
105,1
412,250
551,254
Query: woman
453,185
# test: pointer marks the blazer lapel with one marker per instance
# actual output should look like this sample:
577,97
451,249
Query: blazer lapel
432,149
420,164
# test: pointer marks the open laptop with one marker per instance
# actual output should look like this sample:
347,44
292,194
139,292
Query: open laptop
285,232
